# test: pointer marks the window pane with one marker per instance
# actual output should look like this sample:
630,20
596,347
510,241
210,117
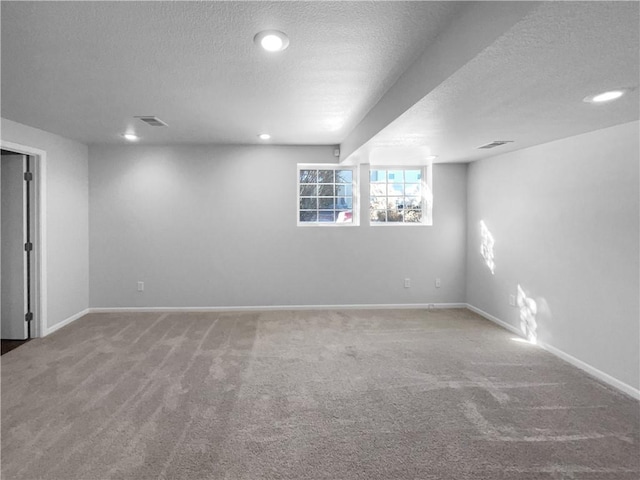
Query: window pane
344,203
395,189
412,202
412,189
395,176
394,216
412,176
308,176
325,190
389,203
308,190
344,176
325,176
308,203
383,204
412,216
378,189
344,190
327,203
378,215
378,203
326,216
345,217
378,176
306,216
395,202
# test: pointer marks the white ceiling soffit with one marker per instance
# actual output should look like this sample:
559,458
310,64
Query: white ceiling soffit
527,86
85,69
477,26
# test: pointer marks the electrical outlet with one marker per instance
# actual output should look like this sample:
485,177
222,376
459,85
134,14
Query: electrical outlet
512,300
141,286
438,283
407,283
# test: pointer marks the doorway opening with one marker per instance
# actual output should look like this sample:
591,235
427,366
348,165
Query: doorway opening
20,306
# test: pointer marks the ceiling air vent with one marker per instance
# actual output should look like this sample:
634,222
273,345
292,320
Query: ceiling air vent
495,143
153,121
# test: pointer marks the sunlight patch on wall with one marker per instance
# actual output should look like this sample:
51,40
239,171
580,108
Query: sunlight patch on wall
528,311
486,246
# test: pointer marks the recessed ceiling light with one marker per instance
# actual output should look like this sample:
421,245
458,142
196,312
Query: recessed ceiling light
264,136
432,157
132,137
272,40
606,96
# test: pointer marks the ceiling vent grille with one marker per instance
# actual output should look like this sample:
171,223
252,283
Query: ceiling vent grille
495,143
153,121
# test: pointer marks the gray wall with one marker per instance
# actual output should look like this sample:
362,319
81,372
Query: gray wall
216,226
67,218
564,217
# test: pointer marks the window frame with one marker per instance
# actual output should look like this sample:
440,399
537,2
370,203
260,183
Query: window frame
426,195
355,194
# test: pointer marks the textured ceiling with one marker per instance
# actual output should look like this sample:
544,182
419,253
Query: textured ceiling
528,86
444,77
85,69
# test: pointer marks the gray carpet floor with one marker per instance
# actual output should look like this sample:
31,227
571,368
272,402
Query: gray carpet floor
376,395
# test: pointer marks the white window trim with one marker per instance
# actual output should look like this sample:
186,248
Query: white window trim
355,218
427,195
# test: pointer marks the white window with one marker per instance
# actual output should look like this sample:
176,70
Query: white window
399,196
327,195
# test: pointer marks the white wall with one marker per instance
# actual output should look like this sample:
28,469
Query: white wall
565,219
216,226
67,219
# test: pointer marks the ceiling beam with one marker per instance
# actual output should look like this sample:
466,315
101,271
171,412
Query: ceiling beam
478,25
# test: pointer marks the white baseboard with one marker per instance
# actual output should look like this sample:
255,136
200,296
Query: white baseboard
66,321
496,320
599,374
367,306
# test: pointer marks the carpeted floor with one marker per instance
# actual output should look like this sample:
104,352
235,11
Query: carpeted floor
341,395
